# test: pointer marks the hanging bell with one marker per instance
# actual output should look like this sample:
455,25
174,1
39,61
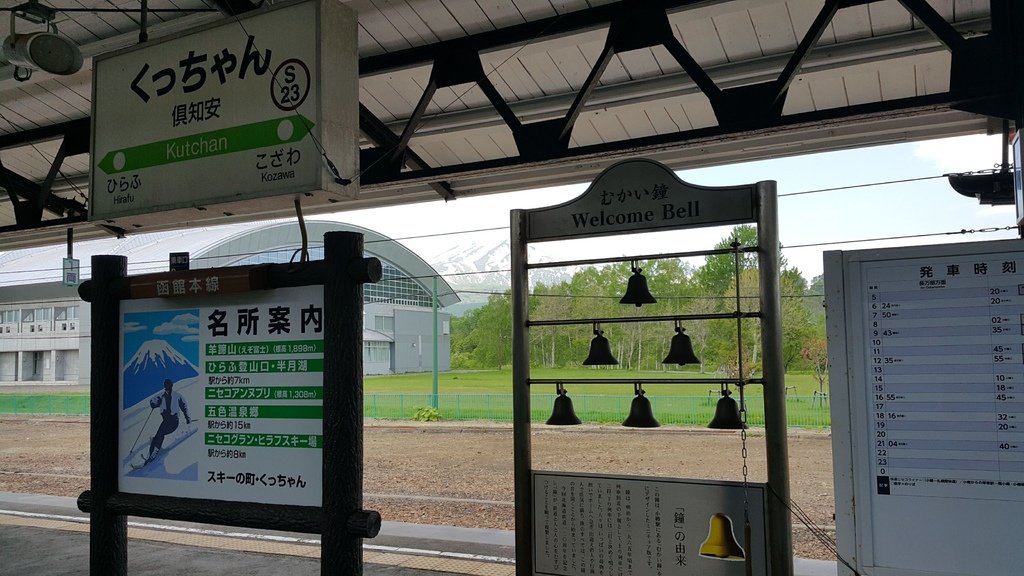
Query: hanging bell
563,414
600,351
637,292
681,351
727,414
721,543
640,413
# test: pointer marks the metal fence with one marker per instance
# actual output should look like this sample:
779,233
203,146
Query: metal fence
802,411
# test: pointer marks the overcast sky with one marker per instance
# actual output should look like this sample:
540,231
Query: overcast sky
923,207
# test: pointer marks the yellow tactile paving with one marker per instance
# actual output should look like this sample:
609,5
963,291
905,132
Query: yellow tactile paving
469,567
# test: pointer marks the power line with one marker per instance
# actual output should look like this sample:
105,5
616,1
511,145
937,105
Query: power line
141,265
864,185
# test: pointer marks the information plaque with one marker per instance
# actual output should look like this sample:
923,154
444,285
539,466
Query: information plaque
626,525
929,440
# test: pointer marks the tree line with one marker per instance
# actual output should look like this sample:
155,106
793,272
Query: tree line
481,339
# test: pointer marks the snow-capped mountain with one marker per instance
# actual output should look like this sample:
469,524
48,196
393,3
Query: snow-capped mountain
485,266
153,362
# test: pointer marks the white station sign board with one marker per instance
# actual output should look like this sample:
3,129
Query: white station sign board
231,119
616,525
927,361
222,396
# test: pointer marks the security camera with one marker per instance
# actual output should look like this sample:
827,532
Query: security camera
44,51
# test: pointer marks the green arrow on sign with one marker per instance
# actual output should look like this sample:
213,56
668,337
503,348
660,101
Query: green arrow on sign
214,143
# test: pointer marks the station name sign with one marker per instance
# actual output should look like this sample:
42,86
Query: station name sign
641,195
234,115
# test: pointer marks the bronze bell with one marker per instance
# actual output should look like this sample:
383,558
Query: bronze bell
563,414
727,414
640,413
681,351
600,351
637,292
721,542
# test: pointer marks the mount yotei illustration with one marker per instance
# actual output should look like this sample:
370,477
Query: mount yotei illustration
154,361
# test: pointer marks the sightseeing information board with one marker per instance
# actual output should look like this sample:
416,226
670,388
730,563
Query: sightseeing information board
934,358
222,395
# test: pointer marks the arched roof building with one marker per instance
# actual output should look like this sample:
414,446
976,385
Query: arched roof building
44,326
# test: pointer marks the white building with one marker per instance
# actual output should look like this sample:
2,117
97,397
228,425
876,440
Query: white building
45,326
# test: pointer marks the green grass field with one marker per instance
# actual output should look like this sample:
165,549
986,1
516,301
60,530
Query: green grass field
487,395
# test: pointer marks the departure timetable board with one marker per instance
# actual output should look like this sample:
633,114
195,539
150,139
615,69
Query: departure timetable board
943,344
926,346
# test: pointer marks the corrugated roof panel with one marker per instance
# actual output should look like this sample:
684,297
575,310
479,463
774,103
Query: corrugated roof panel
124,23
69,102
608,125
584,133
501,13
423,151
516,77
93,23
484,143
376,30
15,116
851,24
535,9
437,18
388,97
774,29
546,73
449,99
863,87
889,17
368,98
635,122
661,120
700,39
932,73
666,62
469,15
47,104
898,81
968,9
461,149
409,86
798,99
407,22
736,30
572,65
802,14
827,91
640,64
677,111
699,111
945,8
76,28
472,96
614,73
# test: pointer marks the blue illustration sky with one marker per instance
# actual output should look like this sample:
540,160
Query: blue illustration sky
179,328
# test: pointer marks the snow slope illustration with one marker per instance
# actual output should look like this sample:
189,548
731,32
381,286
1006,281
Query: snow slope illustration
154,361
177,460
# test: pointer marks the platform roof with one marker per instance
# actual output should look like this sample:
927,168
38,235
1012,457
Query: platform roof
468,97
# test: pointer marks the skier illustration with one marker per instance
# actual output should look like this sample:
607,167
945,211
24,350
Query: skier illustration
170,403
